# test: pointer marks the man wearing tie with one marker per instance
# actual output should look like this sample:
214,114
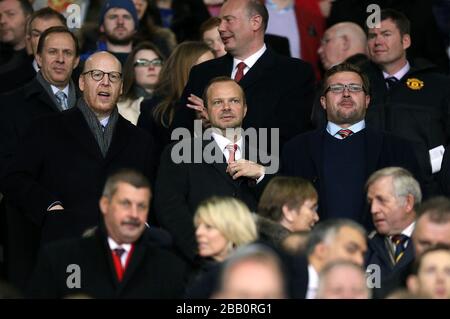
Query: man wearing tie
118,258
215,166
393,194
279,90
409,98
339,157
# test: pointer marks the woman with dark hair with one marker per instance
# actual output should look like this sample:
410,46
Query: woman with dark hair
140,76
157,113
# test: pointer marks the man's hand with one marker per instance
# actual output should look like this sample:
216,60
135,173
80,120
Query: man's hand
245,168
56,207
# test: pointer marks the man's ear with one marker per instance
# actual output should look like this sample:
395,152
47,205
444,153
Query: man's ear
81,82
38,59
409,203
323,102
256,22
412,282
346,42
102,29
104,203
406,41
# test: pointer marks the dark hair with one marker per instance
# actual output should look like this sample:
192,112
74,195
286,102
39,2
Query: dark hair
129,78
418,262
437,209
400,20
283,190
212,22
329,228
125,175
58,29
218,79
346,67
46,13
257,7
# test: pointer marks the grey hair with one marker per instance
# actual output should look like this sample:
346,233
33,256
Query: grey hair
403,182
326,231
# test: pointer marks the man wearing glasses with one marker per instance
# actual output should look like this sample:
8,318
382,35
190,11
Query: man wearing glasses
57,174
338,158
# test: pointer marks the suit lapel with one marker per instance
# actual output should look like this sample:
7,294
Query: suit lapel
76,126
36,91
119,140
258,69
135,260
378,245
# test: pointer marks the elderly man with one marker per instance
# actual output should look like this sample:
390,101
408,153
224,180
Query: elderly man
393,195
56,176
116,260
185,177
338,157
279,90
329,241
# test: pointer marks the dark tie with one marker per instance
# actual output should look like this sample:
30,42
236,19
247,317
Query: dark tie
240,71
399,242
344,133
232,152
391,81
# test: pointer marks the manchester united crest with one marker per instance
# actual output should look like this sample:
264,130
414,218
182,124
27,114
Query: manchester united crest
414,84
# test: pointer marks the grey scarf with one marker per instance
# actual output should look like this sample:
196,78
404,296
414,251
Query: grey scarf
103,137
71,99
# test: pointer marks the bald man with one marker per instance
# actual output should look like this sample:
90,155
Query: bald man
58,173
345,41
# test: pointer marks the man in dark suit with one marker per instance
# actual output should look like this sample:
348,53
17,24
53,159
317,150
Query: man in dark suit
409,99
56,176
58,55
393,194
444,174
117,260
338,158
279,90
193,170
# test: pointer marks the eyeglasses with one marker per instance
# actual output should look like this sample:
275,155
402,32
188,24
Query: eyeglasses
145,62
339,88
97,75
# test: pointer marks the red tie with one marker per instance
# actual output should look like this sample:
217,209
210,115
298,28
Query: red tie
344,133
117,254
231,151
240,71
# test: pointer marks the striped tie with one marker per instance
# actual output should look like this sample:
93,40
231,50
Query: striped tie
344,133
62,99
399,242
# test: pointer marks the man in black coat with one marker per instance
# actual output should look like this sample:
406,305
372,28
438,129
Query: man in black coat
221,164
58,55
409,100
279,90
338,158
444,174
117,260
57,174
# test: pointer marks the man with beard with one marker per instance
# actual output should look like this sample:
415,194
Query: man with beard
338,158
118,23
117,259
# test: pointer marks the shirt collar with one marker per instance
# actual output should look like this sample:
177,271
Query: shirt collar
104,121
35,66
400,73
251,60
65,90
222,141
113,245
313,282
332,128
271,4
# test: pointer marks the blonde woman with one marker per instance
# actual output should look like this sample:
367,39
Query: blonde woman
222,224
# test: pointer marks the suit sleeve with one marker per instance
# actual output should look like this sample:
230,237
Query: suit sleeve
172,209
20,183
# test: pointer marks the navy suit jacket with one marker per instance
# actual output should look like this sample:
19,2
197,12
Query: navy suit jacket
303,156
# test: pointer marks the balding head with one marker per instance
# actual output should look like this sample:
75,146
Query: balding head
101,83
340,42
